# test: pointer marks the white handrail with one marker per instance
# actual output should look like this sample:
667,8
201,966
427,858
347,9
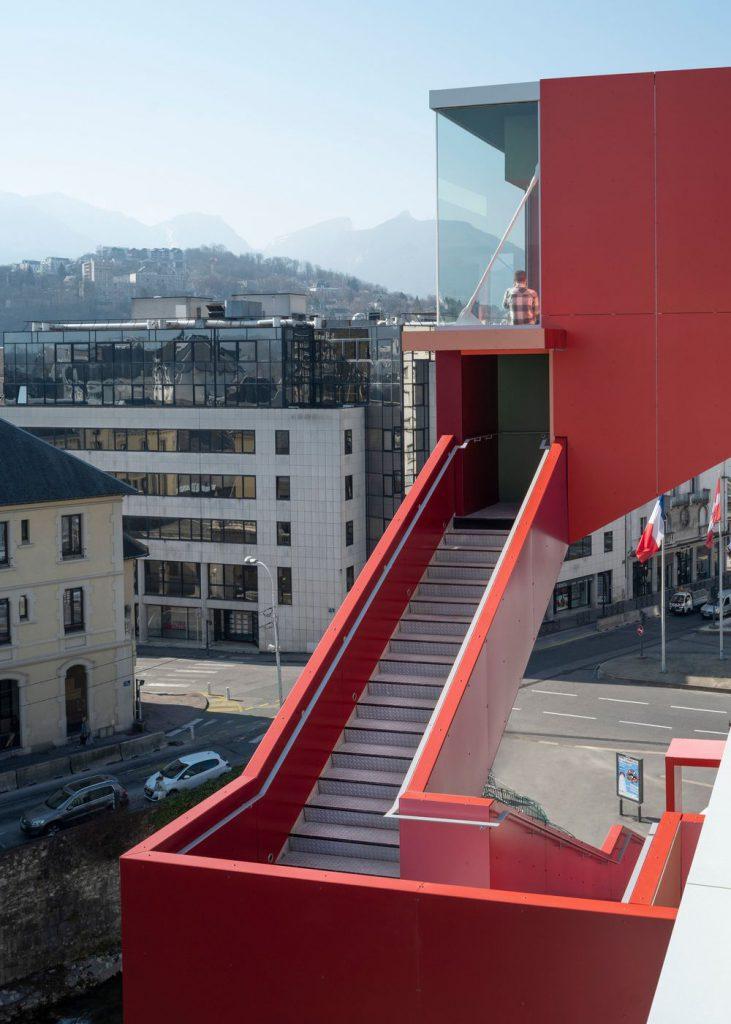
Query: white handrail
467,311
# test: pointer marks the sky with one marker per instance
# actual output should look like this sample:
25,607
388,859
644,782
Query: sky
277,115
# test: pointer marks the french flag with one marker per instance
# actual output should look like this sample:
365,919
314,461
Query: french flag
653,534
715,515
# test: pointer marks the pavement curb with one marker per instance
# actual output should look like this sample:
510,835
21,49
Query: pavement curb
672,683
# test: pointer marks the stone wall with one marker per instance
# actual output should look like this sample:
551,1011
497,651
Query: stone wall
59,896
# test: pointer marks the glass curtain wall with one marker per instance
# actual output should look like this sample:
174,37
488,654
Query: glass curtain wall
488,213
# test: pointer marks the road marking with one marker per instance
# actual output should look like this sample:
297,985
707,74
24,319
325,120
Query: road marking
564,714
550,743
711,711
711,732
194,671
167,685
209,722
257,739
556,693
515,709
649,725
182,728
622,700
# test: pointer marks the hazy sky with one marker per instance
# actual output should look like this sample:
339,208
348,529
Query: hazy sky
277,114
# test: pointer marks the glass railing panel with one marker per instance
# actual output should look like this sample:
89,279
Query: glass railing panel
488,214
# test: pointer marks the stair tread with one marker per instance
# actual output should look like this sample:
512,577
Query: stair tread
456,581
346,802
385,677
417,659
430,638
382,701
345,833
332,773
346,865
442,599
375,750
386,725
425,617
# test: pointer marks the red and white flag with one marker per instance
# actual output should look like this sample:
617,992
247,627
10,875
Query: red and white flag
715,515
653,534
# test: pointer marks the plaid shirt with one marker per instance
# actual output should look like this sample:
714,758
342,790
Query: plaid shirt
522,305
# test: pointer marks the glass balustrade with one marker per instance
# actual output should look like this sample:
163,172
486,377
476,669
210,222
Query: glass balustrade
488,215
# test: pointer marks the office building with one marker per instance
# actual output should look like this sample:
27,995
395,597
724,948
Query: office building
279,438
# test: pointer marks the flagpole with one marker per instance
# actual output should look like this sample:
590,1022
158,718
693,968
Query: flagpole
662,596
720,567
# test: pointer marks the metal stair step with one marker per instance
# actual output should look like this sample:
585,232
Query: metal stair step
407,703
436,667
393,709
360,782
425,645
459,573
345,840
384,685
432,625
454,588
331,862
443,607
373,757
384,732
337,809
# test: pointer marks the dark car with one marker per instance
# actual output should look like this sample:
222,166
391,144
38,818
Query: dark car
76,801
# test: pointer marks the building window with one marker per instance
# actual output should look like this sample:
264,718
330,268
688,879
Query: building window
172,579
349,533
233,582
73,610
248,441
348,488
608,541
5,621
4,549
643,524
579,549
349,577
71,536
23,607
348,442
284,535
604,587
25,531
249,487
281,442
173,623
284,586
572,594
9,714
216,531
283,488
641,578
683,561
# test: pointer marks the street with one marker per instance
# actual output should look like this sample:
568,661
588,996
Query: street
558,748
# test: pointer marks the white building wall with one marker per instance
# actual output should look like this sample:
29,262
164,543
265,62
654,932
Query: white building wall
317,467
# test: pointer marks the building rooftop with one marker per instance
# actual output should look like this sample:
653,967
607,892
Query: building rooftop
34,471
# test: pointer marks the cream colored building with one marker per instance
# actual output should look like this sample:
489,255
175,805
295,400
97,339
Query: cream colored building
66,597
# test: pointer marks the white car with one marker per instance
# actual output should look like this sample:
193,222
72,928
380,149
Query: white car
187,772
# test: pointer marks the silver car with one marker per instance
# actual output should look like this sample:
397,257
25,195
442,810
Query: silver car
76,801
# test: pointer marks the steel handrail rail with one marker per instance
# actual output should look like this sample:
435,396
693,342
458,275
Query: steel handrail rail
274,771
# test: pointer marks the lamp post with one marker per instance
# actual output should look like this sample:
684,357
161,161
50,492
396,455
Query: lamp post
250,560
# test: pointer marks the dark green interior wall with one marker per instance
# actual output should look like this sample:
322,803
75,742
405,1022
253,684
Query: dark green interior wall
523,419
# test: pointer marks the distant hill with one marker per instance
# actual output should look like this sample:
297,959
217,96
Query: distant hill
399,254
56,225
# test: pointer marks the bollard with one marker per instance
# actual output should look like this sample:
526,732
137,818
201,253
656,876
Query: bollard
228,693
209,689
191,730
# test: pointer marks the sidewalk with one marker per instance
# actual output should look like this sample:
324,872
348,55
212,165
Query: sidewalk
691,670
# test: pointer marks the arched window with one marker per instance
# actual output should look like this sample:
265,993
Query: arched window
76,699
9,715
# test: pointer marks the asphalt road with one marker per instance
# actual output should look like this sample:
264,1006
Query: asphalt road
558,748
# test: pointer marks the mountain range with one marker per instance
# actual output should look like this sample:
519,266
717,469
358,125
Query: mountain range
56,225
398,254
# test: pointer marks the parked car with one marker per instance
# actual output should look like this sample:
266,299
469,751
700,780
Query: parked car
710,610
76,801
685,603
186,772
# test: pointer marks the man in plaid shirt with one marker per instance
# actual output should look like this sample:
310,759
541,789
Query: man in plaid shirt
521,301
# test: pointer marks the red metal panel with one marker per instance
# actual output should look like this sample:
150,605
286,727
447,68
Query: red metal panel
692,345
436,851
597,173
259,832
278,946
604,405
653,867
693,197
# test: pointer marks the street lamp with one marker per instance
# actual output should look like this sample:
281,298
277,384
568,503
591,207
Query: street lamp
250,560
